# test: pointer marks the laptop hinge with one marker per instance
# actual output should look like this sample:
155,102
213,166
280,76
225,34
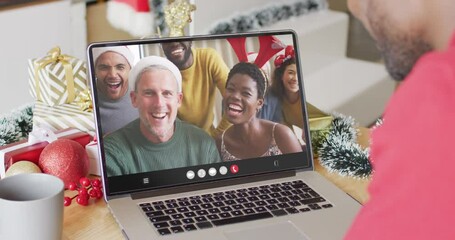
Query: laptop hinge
214,184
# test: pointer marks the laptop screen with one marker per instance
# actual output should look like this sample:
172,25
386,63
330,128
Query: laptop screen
178,111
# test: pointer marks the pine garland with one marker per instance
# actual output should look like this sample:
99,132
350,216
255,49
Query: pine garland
16,125
267,16
340,152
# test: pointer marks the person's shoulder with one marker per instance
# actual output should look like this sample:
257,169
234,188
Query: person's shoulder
193,130
206,53
281,130
124,132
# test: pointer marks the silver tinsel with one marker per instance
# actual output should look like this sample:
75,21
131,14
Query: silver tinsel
16,125
341,153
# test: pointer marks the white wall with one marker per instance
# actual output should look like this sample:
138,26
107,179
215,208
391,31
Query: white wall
30,32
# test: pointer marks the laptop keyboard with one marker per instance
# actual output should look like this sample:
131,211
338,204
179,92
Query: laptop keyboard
233,206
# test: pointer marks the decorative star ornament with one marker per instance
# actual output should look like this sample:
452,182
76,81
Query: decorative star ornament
177,15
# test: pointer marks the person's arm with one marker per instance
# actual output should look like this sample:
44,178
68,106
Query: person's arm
219,71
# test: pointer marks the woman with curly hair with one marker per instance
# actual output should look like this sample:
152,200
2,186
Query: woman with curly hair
249,136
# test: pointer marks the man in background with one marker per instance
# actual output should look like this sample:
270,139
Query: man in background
203,71
411,192
112,66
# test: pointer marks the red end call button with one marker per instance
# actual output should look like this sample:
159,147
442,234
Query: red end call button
234,169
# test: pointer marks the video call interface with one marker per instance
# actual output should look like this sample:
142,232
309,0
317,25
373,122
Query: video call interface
239,111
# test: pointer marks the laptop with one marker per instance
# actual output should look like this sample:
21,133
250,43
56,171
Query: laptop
269,197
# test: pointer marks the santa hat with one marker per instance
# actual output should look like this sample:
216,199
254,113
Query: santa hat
132,16
122,50
160,61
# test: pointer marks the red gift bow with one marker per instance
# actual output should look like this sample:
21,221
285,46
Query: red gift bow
288,54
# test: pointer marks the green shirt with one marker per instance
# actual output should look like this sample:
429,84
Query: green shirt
128,151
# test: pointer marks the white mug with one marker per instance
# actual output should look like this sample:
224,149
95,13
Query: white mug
31,207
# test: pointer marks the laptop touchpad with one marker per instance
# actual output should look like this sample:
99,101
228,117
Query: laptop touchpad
284,230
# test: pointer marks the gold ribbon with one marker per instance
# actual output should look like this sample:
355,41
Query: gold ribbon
84,101
55,56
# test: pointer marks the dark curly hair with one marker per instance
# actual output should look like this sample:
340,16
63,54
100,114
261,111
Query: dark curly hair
254,72
277,87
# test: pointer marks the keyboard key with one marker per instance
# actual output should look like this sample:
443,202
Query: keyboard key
271,207
161,225
148,209
225,215
213,217
182,209
206,206
226,209
249,205
157,203
172,205
202,212
314,206
327,205
238,207
177,216
189,227
237,213
248,211
312,200
292,210
218,204
260,209
190,214
177,229
155,214
175,223
164,231
160,219
305,209
283,205
214,210
194,208
184,203
243,218
196,201
203,225
279,212
160,207
170,211
200,219
187,220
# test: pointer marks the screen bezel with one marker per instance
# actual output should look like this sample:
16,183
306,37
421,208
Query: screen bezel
155,180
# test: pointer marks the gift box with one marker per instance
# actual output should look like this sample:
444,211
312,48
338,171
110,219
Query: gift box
92,152
63,116
30,151
56,78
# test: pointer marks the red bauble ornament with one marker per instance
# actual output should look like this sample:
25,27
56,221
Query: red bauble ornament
66,159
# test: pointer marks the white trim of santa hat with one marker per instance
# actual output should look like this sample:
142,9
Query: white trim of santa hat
122,50
160,61
132,16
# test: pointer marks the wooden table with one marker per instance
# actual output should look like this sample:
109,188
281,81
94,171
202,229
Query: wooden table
96,222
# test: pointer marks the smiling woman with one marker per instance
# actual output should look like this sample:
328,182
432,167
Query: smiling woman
249,136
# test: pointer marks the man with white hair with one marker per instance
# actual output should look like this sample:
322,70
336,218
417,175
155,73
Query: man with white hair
112,66
157,139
